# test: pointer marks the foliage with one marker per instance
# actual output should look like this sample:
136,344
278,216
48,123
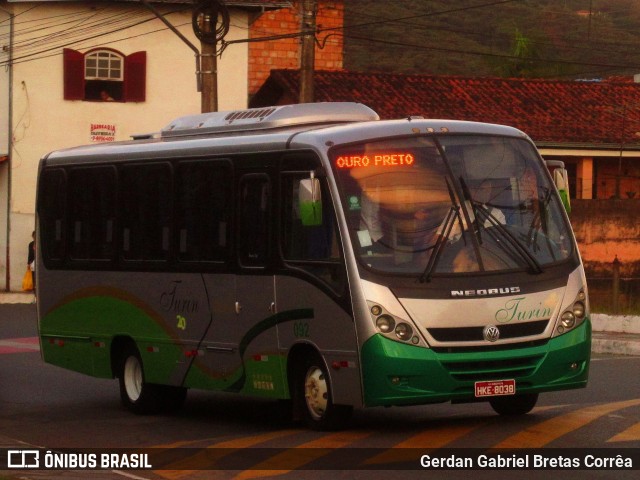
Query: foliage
522,38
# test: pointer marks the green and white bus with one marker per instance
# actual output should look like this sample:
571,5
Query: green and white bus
313,254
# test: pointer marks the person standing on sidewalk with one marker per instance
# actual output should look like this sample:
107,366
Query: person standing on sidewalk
31,259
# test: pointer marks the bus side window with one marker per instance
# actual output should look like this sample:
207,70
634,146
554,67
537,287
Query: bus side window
311,246
146,211
203,209
305,238
53,193
92,213
255,204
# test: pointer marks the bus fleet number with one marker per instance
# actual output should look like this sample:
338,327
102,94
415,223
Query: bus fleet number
301,329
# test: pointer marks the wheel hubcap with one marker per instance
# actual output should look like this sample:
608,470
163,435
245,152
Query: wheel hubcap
316,392
133,378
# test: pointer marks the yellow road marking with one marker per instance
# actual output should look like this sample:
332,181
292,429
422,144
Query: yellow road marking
301,455
207,458
545,432
432,438
631,434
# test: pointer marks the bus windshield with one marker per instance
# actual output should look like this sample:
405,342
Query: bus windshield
450,204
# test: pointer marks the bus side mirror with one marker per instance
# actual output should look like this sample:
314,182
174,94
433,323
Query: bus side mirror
310,201
561,180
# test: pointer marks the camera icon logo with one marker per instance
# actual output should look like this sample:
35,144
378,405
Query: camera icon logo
23,459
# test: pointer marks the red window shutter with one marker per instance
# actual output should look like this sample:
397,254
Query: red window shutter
73,66
135,77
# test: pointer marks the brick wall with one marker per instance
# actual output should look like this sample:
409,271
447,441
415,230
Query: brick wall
285,53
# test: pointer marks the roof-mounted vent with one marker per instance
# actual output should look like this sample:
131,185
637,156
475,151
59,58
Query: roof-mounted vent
251,113
268,118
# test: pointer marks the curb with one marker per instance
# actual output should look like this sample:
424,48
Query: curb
17,297
614,343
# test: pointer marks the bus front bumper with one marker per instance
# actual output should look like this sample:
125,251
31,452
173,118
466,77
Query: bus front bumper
395,373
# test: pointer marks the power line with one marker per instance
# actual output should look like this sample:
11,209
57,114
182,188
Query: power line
505,37
494,55
77,36
430,14
66,38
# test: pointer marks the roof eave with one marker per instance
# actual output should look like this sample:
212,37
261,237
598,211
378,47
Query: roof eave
587,146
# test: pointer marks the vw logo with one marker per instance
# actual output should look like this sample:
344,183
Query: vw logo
491,333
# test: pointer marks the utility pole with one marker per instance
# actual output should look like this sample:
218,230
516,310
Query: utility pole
210,24
307,54
205,18
209,68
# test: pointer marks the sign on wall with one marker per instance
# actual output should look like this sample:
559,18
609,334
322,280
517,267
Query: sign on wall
103,132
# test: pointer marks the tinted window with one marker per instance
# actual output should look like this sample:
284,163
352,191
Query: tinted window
92,213
146,211
203,207
311,244
52,218
253,240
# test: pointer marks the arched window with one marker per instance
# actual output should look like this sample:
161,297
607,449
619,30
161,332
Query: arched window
104,75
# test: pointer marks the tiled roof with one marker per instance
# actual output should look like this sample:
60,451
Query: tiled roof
551,112
268,4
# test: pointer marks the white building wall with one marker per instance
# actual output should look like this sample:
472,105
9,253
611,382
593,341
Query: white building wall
43,121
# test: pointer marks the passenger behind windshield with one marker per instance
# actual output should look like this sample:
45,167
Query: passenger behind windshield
404,202
486,199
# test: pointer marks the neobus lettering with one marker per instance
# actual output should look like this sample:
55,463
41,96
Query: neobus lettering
485,292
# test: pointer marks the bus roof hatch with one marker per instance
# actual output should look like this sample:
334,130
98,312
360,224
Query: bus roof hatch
268,118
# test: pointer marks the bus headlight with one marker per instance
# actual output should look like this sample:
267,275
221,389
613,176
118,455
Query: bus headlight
404,331
574,315
393,327
578,309
568,319
385,323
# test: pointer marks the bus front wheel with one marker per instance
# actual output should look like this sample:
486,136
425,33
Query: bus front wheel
514,405
314,395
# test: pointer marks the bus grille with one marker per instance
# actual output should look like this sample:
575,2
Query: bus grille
493,369
474,334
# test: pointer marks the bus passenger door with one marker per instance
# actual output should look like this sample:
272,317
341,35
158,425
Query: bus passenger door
255,331
236,349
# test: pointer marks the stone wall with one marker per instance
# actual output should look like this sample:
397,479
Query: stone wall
606,229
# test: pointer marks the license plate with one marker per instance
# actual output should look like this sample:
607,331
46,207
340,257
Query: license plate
495,387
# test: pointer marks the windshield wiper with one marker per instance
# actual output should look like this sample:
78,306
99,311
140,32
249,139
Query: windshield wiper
467,196
446,227
516,245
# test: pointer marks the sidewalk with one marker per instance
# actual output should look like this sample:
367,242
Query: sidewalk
17,297
616,335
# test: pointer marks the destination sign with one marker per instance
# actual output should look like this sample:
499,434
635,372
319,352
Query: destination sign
375,160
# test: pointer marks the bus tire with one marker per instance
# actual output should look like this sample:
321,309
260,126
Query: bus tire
514,405
137,395
314,397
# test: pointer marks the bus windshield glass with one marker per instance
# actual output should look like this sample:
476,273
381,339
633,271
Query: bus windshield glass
451,204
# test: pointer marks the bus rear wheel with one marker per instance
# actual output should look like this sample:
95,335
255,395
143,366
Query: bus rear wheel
141,397
514,405
314,395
